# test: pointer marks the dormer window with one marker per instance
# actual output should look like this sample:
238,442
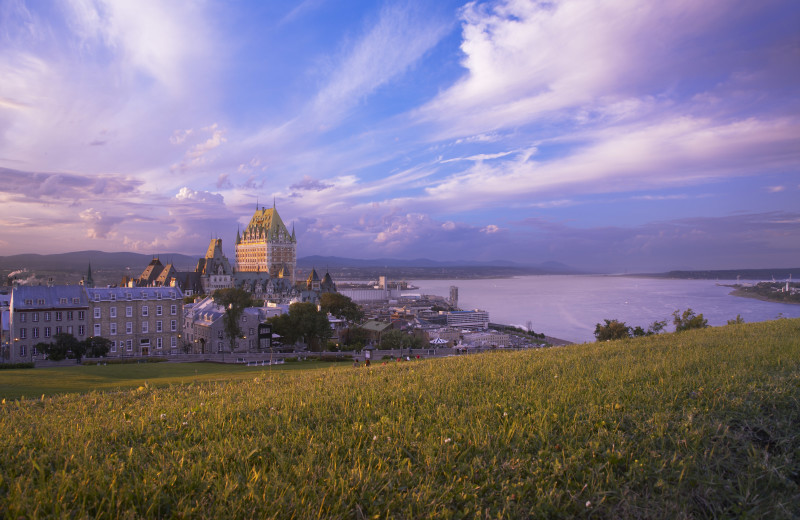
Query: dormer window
113,297
96,297
62,301
128,295
40,301
28,302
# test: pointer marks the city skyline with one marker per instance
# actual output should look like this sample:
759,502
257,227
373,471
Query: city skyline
616,136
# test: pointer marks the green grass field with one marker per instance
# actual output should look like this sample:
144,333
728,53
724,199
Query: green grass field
705,424
50,381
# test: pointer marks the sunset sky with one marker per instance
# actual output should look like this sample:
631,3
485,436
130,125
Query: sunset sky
619,135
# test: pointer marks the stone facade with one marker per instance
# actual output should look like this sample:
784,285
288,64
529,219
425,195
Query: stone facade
267,246
38,313
139,321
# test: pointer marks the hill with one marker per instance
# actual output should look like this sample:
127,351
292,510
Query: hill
108,268
732,274
703,424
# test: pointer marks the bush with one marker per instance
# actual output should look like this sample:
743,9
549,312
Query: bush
688,320
8,366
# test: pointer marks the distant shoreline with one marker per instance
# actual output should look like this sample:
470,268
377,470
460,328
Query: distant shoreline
742,293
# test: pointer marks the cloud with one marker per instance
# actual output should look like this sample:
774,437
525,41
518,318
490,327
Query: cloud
775,189
99,224
526,60
190,195
42,186
309,184
491,228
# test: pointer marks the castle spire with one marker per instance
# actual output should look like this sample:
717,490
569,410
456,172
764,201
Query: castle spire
89,280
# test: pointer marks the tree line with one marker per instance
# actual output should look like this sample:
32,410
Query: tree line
683,321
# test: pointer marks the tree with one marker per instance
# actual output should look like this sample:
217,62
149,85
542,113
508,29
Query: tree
96,346
355,337
612,329
398,339
65,345
303,322
688,320
736,321
655,328
341,306
234,301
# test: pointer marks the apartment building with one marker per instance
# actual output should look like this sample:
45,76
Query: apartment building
139,321
39,312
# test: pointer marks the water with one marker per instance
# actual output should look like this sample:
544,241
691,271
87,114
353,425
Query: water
569,306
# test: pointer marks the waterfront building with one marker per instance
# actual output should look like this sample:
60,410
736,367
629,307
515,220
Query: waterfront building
476,319
38,313
139,321
487,339
267,246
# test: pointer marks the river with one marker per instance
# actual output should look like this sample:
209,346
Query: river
569,306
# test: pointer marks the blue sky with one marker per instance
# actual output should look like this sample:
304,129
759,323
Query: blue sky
621,135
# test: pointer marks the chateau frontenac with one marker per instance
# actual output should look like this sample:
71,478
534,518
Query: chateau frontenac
267,246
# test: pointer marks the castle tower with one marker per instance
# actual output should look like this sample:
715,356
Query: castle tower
266,245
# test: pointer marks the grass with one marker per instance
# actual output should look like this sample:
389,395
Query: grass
704,424
15,384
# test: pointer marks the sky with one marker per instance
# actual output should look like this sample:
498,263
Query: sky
615,136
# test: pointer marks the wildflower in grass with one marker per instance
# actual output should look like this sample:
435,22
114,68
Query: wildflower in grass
588,503
163,416
447,440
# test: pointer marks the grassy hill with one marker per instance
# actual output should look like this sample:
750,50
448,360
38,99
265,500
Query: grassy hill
704,424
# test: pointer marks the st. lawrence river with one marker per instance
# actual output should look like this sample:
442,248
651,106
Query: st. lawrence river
569,306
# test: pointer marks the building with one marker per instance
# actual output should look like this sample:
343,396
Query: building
139,321
267,246
204,331
39,312
487,339
214,270
476,319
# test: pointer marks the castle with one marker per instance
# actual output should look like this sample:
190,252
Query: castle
266,266
267,246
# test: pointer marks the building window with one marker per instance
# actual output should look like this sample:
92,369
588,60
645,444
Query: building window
173,342
81,315
113,346
62,301
172,295
113,329
158,295
40,301
144,327
173,325
47,332
158,326
113,297
69,315
173,309
128,295
76,300
97,312
28,302
35,331
97,297
159,343
128,327
129,345
34,351
113,312
81,330
96,329
128,312
144,295
59,316
23,317
69,329
158,310
145,311
35,316
46,316
23,333
58,330
22,350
